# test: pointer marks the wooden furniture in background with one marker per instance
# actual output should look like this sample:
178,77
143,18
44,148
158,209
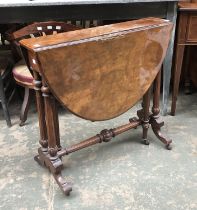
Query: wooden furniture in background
7,88
193,68
96,75
31,11
21,71
186,36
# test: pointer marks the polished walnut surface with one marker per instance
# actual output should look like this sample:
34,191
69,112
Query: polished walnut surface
100,73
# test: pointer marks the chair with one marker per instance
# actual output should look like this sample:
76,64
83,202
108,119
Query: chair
186,36
21,71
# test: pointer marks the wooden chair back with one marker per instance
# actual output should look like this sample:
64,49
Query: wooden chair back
35,30
43,29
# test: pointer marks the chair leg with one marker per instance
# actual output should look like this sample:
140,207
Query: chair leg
6,114
4,104
177,73
25,106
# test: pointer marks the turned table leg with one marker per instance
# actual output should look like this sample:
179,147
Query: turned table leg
41,116
155,119
53,161
145,118
51,118
56,122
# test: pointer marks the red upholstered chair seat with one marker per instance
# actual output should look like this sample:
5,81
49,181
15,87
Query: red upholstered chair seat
22,74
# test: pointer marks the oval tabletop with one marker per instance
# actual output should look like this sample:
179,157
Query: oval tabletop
100,73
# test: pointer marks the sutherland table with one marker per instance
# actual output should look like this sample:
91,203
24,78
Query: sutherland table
95,74
25,11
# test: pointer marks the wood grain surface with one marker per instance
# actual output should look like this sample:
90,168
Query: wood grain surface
186,6
100,73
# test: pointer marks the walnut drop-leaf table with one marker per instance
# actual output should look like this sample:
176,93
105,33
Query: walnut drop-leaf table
98,74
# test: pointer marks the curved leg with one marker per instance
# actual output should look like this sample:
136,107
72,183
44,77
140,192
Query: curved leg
177,73
155,120
25,106
66,187
156,124
55,167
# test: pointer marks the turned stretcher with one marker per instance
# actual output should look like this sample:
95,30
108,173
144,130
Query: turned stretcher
98,74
